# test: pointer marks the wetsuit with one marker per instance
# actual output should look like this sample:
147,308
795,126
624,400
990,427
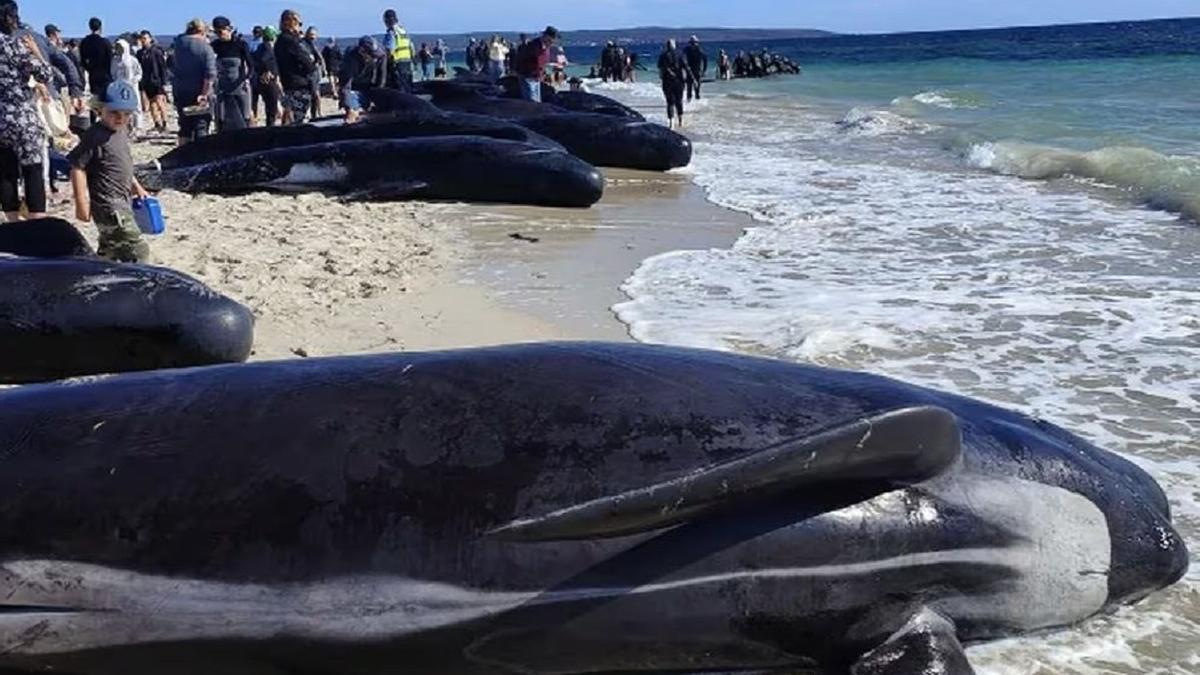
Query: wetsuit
266,80
697,62
234,67
672,69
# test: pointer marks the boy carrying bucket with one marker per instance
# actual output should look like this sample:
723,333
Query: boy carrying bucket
103,181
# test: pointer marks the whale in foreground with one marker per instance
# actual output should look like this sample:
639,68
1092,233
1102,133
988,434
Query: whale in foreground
550,508
73,316
466,168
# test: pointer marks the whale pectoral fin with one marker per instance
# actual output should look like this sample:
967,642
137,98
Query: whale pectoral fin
927,643
391,190
878,453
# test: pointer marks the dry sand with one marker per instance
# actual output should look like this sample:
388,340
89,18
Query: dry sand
325,277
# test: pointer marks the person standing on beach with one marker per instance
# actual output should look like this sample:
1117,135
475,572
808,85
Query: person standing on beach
331,56
23,139
532,58
497,55
296,67
194,74
234,67
127,69
697,62
310,43
154,79
673,71
95,54
266,74
424,59
103,181
400,53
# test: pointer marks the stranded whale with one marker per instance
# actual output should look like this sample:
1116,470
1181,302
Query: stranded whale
561,508
469,168
64,317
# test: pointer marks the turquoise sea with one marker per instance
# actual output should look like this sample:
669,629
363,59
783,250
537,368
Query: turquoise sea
1010,214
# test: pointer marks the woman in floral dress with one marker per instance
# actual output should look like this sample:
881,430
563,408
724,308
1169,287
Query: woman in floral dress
22,137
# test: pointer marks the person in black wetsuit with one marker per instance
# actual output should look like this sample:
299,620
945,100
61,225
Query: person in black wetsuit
697,62
266,74
234,67
672,70
95,55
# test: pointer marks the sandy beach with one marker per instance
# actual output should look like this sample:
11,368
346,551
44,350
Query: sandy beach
325,277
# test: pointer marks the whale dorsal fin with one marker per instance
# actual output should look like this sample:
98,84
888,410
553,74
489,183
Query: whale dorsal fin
899,447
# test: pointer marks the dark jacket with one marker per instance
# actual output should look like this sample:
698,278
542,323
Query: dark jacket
696,58
295,63
95,54
333,59
264,64
154,65
66,74
360,73
671,67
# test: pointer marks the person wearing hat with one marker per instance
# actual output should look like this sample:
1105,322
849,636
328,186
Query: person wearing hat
266,74
234,66
532,58
399,52
364,69
102,177
697,62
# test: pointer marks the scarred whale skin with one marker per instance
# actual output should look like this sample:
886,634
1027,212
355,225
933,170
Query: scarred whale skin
65,317
468,168
556,508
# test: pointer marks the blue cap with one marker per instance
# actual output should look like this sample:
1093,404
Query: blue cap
121,96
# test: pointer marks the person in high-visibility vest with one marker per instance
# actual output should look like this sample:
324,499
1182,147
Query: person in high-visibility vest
400,53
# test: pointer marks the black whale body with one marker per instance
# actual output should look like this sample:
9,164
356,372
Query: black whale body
469,168
608,140
43,238
66,317
603,140
219,147
562,508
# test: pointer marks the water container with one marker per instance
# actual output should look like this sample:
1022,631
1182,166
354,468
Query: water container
148,215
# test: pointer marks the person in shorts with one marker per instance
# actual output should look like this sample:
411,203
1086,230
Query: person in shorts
103,181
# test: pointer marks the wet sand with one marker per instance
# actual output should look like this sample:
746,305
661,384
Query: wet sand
325,278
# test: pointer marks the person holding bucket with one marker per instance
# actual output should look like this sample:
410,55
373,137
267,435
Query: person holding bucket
103,181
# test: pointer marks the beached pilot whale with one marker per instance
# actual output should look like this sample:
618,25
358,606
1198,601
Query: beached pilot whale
560,508
465,168
67,316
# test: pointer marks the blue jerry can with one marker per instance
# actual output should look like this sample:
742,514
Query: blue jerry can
148,215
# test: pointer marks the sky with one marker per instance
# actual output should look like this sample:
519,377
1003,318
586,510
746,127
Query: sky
354,17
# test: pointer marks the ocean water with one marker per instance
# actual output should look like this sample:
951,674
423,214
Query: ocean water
1012,215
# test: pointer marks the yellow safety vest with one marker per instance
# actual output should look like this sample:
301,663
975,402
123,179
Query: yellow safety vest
402,52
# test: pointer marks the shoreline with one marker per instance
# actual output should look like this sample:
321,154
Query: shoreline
565,267
326,278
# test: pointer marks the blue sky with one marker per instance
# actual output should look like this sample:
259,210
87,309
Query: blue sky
353,17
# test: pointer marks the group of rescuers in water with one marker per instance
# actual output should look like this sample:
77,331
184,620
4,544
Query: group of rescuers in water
220,82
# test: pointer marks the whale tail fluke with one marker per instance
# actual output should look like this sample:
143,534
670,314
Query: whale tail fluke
887,450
